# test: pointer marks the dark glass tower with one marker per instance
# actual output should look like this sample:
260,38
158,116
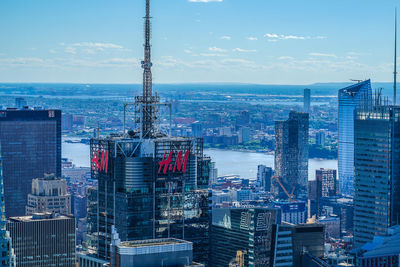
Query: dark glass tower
6,255
31,146
377,172
150,185
291,157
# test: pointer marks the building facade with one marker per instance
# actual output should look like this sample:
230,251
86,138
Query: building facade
292,212
349,99
49,194
7,257
148,190
327,185
31,146
377,172
43,240
291,157
264,176
242,235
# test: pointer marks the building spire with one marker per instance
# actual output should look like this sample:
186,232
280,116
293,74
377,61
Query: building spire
395,60
147,103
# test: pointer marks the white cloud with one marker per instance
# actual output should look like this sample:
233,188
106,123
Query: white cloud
70,50
204,1
217,49
285,58
98,45
274,37
212,55
226,37
52,51
252,38
244,50
187,51
322,55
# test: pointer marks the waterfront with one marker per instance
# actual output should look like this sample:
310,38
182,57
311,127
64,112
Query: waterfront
228,162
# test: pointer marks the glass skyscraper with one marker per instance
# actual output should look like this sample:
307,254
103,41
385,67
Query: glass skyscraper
291,156
377,172
31,146
349,99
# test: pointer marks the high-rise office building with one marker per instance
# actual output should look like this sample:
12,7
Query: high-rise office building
49,194
307,100
349,99
243,235
7,258
43,239
197,129
31,146
244,135
327,185
291,243
291,157
150,185
377,171
264,176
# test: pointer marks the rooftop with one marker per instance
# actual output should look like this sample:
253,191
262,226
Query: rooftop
153,242
39,217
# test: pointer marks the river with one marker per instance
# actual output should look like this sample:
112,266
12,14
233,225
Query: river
228,162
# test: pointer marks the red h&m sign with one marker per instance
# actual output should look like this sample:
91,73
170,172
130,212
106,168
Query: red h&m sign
100,160
179,165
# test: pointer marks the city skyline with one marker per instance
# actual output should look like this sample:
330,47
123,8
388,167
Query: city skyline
198,41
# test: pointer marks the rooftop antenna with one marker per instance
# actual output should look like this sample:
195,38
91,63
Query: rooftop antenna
395,59
147,103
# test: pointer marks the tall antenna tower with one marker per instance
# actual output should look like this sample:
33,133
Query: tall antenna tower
395,60
147,104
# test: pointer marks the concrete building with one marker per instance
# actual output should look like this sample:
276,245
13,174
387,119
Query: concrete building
332,226
43,240
292,212
349,99
49,194
291,157
377,171
152,252
90,260
31,147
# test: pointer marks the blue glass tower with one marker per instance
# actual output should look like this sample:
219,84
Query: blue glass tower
349,99
6,257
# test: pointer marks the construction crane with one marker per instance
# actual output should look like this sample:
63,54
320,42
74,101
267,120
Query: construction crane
290,196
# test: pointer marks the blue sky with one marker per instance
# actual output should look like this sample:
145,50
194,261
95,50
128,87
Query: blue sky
247,41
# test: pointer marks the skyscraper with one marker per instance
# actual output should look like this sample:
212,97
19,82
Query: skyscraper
31,146
377,172
349,99
264,176
291,157
7,258
43,239
326,185
243,235
49,194
307,100
150,185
